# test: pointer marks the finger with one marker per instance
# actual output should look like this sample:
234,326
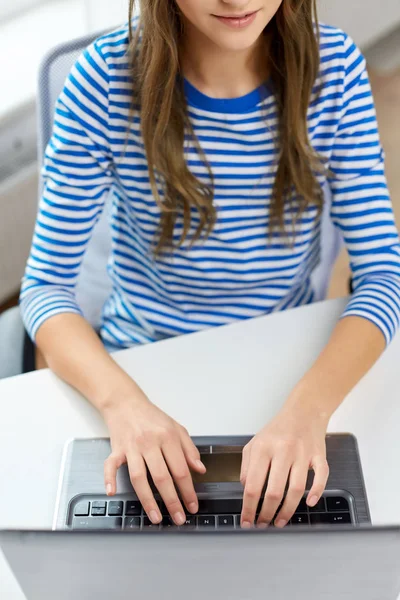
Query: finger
138,476
245,465
179,469
321,474
255,480
297,485
191,453
111,466
163,481
278,477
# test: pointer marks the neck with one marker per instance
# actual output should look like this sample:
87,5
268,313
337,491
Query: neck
220,73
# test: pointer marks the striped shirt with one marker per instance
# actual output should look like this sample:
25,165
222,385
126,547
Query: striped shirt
238,272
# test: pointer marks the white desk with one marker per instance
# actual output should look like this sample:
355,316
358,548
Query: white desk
228,380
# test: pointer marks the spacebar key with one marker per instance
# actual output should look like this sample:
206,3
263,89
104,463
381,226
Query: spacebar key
222,506
97,523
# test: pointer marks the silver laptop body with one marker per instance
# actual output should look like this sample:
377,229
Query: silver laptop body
358,564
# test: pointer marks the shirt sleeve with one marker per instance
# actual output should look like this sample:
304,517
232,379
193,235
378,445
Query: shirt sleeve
361,205
77,176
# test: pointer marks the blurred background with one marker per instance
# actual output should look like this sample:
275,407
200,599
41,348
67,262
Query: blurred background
30,28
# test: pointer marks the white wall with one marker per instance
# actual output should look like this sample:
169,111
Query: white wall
365,20
102,14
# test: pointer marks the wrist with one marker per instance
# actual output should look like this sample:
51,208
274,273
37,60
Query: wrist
125,392
306,401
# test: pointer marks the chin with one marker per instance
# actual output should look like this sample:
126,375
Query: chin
235,42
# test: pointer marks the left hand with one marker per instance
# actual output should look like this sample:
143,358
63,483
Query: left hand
291,444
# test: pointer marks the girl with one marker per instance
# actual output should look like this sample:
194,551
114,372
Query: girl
215,124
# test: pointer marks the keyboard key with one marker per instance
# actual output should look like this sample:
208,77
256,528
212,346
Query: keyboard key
82,509
320,518
340,518
133,508
302,507
147,524
337,503
299,519
99,523
168,523
132,523
206,521
99,509
115,508
225,521
220,506
190,523
319,507
237,521
330,518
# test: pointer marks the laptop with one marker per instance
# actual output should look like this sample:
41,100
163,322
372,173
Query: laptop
355,563
83,505
105,548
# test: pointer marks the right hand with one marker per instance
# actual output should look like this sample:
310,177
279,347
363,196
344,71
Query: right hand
141,434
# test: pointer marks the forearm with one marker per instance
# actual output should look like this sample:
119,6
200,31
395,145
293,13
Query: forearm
74,352
354,347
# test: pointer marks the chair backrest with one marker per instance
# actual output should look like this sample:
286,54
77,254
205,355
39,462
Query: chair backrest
331,245
94,285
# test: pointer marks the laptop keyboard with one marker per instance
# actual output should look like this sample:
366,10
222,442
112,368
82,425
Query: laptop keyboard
216,513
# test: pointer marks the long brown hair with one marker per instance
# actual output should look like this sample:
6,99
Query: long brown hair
294,62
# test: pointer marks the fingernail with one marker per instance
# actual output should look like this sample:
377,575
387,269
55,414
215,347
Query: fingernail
154,517
281,523
262,525
193,507
246,525
200,465
179,518
109,489
313,501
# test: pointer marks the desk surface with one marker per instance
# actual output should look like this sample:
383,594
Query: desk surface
227,380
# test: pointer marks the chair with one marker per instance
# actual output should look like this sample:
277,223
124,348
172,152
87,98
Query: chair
94,285
331,245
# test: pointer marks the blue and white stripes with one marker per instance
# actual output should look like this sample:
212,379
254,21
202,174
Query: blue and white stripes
238,272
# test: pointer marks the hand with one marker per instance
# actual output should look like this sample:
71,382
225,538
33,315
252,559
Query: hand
141,434
286,448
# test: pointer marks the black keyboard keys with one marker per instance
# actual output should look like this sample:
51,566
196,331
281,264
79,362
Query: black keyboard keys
167,523
319,507
302,507
133,508
225,521
190,523
319,519
99,523
99,509
222,506
330,519
131,523
337,503
115,508
299,519
82,509
340,518
206,521
147,524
